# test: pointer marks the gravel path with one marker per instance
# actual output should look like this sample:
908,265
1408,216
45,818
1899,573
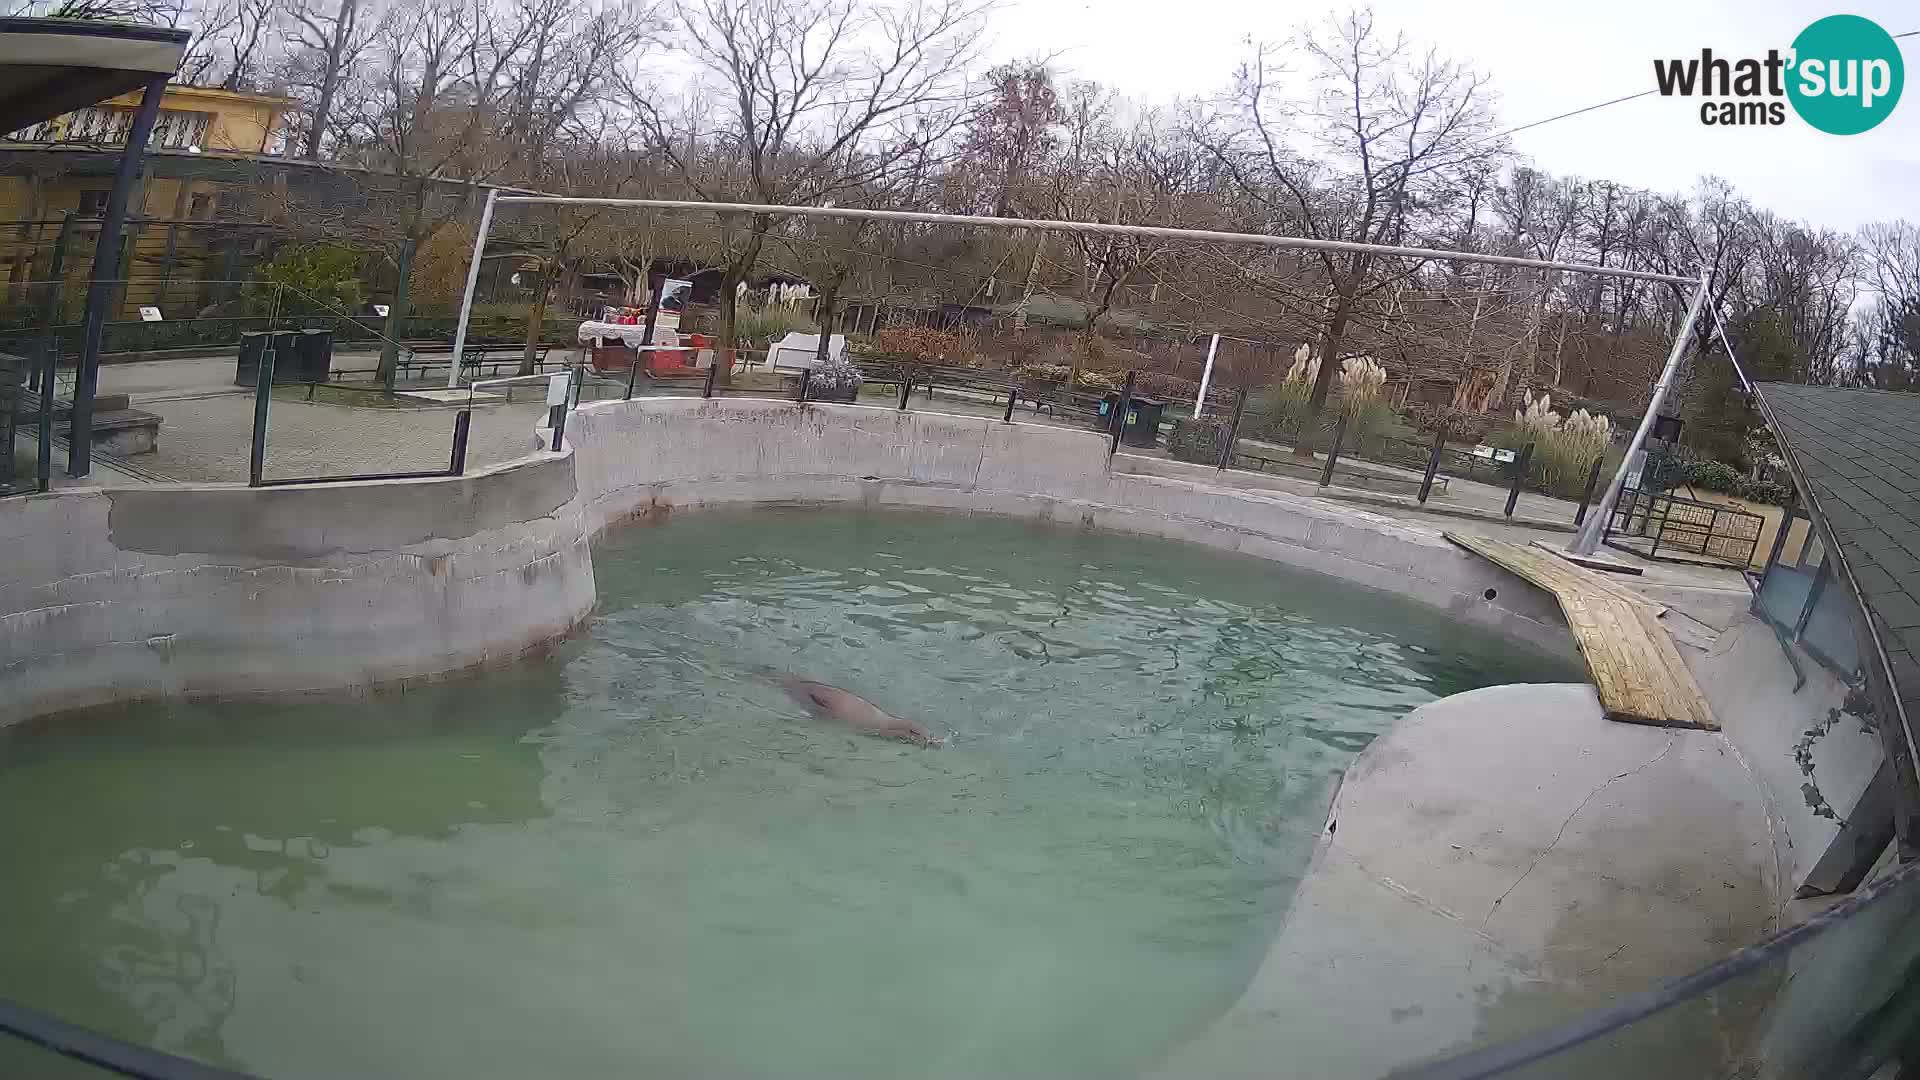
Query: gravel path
207,438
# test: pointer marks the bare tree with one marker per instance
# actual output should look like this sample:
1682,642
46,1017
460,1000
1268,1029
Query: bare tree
331,36
1390,128
234,45
815,99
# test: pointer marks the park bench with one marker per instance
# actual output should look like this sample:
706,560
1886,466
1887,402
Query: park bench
480,361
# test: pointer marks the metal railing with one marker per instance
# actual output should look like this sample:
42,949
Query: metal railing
1673,529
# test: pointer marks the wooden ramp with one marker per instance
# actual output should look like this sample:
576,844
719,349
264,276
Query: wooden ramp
1635,665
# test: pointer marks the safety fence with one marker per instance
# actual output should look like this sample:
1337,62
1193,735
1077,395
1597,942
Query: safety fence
1664,526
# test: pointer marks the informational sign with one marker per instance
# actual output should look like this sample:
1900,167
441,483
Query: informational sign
557,389
150,314
381,310
675,295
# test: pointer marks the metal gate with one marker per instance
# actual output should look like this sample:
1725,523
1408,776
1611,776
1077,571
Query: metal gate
1668,527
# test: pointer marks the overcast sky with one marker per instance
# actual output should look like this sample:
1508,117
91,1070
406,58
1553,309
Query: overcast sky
1545,57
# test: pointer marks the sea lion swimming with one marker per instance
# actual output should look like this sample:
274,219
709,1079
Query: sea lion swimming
831,702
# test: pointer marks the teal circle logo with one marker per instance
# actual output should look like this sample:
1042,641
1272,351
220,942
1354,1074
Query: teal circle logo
1846,74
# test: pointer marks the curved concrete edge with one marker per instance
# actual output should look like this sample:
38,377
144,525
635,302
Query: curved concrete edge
1501,860
185,590
122,593
649,457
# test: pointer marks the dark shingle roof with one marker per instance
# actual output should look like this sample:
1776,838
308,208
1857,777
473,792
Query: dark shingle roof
1859,452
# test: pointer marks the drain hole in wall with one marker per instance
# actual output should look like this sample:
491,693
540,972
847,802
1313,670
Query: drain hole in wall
1491,593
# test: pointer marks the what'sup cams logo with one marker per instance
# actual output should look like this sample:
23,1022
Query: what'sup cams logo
1843,75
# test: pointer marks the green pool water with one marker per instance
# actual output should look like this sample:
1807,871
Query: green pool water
635,857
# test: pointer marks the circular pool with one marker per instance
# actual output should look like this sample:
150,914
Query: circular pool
636,855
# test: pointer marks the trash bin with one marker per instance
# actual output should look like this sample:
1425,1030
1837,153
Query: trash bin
313,356
247,371
1142,423
286,356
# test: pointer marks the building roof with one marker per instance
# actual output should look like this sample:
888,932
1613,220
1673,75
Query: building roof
1856,454
54,66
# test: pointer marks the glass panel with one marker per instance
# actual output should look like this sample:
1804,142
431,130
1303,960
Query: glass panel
1839,1005
1829,633
1783,594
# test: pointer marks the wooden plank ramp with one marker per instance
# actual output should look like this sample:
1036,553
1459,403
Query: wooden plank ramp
1636,667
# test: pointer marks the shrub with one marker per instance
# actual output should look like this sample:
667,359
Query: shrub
311,279
1041,372
1564,448
837,375
771,323
1716,476
1198,441
924,344
1771,492
1161,384
1279,414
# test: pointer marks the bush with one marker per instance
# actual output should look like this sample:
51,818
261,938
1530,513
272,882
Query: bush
1041,373
1564,447
1771,492
311,279
1198,441
1161,384
1279,414
759,325
1716,476
837,375
923,345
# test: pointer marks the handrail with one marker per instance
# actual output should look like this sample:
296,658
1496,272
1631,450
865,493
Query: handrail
115,1055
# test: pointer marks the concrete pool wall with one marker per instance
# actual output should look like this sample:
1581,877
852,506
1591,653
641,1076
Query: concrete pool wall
119,594
657,455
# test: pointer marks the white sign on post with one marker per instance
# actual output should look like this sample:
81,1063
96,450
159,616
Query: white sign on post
557,389
150,314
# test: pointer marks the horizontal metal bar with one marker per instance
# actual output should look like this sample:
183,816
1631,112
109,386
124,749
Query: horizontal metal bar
70,1040
1102,229
513,379
295,481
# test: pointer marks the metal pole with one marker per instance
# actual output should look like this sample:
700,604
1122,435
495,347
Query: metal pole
56,288
1119,424
655,283
461,422
806,381
1013,397
262,401
106,260
1587,540
473,280
906,387
713,372
43,469
1433,463
1333,451
1586,494
1520,463
1233,432
1097,228
1206,376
